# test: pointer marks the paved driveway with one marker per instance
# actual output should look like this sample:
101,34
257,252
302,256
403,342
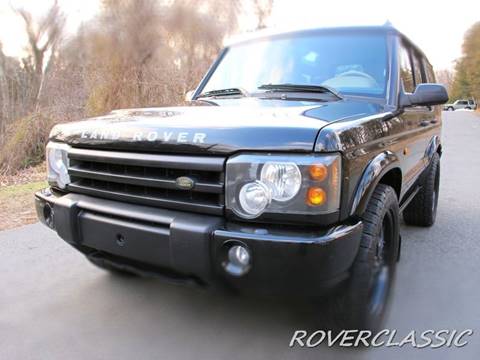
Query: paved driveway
55,305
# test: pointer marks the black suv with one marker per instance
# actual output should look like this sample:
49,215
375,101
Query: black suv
286,174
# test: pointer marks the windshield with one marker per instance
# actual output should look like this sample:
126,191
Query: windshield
351,64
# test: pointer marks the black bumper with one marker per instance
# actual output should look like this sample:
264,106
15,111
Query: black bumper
191,247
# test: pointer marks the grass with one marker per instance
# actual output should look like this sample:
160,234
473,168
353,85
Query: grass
17,205
20,190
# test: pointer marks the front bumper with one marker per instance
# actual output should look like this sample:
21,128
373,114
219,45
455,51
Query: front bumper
191,247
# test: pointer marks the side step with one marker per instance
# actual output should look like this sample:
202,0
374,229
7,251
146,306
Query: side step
410,198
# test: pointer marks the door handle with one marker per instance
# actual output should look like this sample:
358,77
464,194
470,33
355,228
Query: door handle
424,123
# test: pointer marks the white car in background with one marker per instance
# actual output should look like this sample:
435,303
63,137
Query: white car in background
461,104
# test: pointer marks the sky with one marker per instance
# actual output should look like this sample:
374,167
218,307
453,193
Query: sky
437,27
12,33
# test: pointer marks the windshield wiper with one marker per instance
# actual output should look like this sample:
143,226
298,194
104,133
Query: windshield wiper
224,92
300,88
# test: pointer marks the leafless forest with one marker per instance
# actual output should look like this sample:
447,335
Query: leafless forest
134,53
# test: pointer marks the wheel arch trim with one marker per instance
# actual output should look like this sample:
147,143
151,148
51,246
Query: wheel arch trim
373,173
433,147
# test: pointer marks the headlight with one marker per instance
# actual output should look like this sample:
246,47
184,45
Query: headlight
57,164
295,184
284,179
254,197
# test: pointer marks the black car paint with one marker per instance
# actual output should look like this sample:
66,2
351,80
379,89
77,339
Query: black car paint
188,248
384,126
267,125
273,128
379,142
400,135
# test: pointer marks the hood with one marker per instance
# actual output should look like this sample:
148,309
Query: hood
241,124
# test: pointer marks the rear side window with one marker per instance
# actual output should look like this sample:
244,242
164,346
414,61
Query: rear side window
406,70
429,71
417,68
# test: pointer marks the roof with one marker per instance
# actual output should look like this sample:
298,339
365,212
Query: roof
274,33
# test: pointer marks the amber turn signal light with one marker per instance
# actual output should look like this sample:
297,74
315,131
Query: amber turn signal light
318,172
316,196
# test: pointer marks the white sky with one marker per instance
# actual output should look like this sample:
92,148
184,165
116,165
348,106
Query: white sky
12,33
437,27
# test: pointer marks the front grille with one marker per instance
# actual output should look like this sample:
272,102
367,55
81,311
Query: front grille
149,179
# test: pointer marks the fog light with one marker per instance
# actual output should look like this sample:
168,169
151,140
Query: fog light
48,216
239,255
238,260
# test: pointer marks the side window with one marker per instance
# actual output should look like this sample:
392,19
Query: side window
406,71
417,68
429,71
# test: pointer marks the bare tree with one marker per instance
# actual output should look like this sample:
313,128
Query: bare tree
43,35
198,36
445,77
4,93
149,53
14,91
263,10
134,53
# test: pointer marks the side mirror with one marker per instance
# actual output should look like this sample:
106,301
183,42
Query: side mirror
189,95
425,95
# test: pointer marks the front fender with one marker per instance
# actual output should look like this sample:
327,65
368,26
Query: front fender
432,148
377,167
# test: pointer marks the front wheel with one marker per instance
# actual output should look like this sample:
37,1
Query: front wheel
361,304
450,109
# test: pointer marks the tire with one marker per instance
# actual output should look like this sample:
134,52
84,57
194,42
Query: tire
450,108
468,108
100,263
422,210
362,302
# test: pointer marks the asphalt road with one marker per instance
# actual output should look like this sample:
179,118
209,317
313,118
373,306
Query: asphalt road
55,305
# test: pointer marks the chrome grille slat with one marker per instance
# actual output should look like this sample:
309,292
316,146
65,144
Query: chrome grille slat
149,179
